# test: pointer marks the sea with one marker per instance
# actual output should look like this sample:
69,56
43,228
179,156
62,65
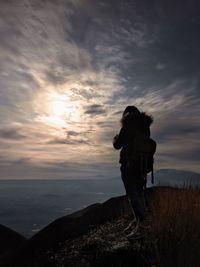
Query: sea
27,206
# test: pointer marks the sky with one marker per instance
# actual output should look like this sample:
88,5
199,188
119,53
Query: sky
68,69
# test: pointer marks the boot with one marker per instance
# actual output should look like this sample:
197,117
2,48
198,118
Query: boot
133,227
137,233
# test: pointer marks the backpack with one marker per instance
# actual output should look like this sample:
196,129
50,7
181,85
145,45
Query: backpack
142,150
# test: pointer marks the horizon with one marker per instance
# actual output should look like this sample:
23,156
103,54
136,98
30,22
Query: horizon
105,178
68,70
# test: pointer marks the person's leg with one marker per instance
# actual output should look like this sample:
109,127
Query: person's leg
125,179
134,191
136,196
138,205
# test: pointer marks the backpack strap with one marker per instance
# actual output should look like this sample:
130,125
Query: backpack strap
144,167
152,176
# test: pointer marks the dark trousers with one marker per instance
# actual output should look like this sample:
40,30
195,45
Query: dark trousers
134,186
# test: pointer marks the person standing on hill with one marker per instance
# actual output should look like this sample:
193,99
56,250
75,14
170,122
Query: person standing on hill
134,123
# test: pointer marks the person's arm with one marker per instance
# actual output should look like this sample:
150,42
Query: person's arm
118,140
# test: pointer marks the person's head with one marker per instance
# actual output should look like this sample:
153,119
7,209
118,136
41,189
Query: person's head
130,109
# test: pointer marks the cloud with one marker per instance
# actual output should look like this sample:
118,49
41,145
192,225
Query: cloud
160,66
72,133
11,134
57,141
95,110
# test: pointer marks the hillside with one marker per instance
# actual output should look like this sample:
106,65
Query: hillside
9,240
94,236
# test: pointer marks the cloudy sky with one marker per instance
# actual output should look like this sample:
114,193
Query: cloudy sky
69,68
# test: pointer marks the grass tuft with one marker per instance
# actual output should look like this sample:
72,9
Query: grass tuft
175,226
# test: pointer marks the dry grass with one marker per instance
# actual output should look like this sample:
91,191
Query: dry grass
175,219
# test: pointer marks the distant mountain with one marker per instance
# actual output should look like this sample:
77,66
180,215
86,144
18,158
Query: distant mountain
173,177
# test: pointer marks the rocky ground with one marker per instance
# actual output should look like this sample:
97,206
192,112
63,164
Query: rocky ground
105,245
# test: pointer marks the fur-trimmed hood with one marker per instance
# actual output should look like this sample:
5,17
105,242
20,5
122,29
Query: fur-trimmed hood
137,119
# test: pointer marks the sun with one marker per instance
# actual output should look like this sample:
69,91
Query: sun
61,111
58,108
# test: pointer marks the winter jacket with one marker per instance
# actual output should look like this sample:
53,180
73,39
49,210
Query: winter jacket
133,124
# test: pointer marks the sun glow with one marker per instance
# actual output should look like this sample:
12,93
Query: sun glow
58,108
61,112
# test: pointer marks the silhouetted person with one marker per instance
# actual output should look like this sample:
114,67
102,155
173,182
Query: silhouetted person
134,123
